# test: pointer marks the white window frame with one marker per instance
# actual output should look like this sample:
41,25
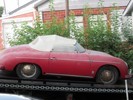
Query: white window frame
94,18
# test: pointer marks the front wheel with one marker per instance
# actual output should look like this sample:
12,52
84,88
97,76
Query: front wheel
107,75
28,71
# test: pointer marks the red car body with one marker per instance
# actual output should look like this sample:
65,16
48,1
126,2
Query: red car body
76,64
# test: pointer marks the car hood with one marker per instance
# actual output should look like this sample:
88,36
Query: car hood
101,56
92,52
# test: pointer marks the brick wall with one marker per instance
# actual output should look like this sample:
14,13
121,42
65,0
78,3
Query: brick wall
77,12
59,14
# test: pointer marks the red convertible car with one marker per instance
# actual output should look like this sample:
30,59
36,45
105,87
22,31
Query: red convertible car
56,55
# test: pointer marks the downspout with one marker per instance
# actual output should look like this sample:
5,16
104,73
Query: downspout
3,35
132,20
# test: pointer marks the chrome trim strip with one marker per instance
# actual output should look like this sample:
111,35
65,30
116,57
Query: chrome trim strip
31,58
68,75
86,60
74,60
56,59
105,61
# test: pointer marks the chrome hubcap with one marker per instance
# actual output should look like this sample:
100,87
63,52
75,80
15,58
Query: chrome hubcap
28,70
107,76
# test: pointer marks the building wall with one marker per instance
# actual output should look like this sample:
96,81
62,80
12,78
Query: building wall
29,14
6,25
60,14
19,15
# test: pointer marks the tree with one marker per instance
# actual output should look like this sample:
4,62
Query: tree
1,11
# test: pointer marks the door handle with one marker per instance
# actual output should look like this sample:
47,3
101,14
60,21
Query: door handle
53,58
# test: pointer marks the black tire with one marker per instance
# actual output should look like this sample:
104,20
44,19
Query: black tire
107,75
28,71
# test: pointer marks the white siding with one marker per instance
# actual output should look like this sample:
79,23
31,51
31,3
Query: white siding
7,27
80,4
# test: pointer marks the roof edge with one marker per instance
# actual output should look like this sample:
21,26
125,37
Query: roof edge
40,3
19,8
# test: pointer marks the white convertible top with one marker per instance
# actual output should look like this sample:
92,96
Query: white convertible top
48,42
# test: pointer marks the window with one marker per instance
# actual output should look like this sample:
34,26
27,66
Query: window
78,25
116,20
95,18
80,48
79,21
64,49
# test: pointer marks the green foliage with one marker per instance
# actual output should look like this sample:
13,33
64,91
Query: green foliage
127,30
98,35
127,45
26,33
1,11
111,40
126,51
101,37
75,30
56,27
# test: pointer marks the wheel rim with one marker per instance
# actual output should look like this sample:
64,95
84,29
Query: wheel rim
107,76
28,70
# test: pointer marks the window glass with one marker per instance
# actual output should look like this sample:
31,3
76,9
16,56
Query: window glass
34,41
96,19
80,48
79,21
64,49
114,17
78,25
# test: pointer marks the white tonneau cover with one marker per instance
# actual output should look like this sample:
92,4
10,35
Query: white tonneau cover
48,42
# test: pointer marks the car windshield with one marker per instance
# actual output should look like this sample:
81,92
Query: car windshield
80,48
34,41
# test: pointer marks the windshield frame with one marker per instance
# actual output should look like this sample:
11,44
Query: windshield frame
79,48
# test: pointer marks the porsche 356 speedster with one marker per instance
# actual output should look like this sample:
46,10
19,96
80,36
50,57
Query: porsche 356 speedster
60,56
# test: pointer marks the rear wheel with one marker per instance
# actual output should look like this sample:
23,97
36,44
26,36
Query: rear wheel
28,71
107,75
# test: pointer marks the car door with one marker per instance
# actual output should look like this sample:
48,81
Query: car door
83,62
63,60
83,65
68,61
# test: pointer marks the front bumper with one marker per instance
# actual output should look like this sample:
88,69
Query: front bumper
130,74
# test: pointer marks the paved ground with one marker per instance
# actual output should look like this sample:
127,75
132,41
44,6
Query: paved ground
82,96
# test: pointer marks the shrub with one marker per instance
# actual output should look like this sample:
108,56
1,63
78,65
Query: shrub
102,37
